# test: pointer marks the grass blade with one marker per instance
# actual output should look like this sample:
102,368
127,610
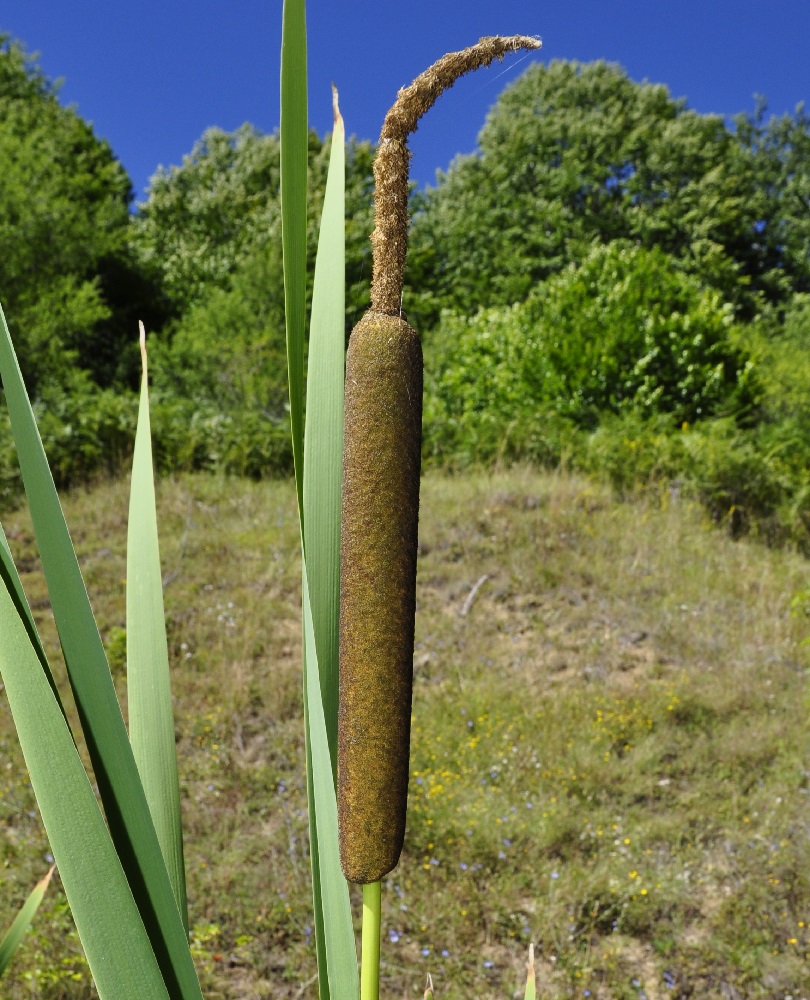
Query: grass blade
118,949
16,932
293,133
114,766
149,697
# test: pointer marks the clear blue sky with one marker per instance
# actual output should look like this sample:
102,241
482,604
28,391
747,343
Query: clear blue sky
152,75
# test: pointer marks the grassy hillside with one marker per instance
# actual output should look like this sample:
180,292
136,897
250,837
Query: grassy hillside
609,759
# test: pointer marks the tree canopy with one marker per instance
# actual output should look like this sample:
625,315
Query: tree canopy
778,150
573,154
204,219
63,220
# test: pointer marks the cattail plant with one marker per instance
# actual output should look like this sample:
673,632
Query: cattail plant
380,511
357,751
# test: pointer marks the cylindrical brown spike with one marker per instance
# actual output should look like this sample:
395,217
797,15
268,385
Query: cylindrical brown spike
381,463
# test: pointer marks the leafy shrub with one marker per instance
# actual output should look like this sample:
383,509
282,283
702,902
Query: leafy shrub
188,435
87,433
478,405
220,390
781,351
623,333
631,452
627,369
90,434
628,331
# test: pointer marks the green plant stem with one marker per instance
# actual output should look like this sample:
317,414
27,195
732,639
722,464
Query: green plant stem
370,954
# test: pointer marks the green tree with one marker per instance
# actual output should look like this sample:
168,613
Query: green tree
205,216
779,150
63,221
202,220
573,153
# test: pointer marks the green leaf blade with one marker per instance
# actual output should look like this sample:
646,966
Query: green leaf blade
323,451
339,944
114,765
530,982
149,697
118,949
335,945
323,439
294,149
11,578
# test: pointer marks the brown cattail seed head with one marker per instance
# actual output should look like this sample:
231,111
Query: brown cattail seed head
381,463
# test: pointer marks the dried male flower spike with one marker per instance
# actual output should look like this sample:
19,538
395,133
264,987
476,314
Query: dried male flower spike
380,510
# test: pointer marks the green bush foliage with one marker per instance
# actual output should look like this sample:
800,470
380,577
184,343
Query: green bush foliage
90,432
187,435
625,331
207,218
479,404
228,350
753,482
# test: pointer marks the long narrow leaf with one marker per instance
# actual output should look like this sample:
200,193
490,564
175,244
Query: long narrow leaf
314,854
113,763
341,953
16,932
323,437
11,578
293,133
293,137
151,721
323,446
117,946
337,960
